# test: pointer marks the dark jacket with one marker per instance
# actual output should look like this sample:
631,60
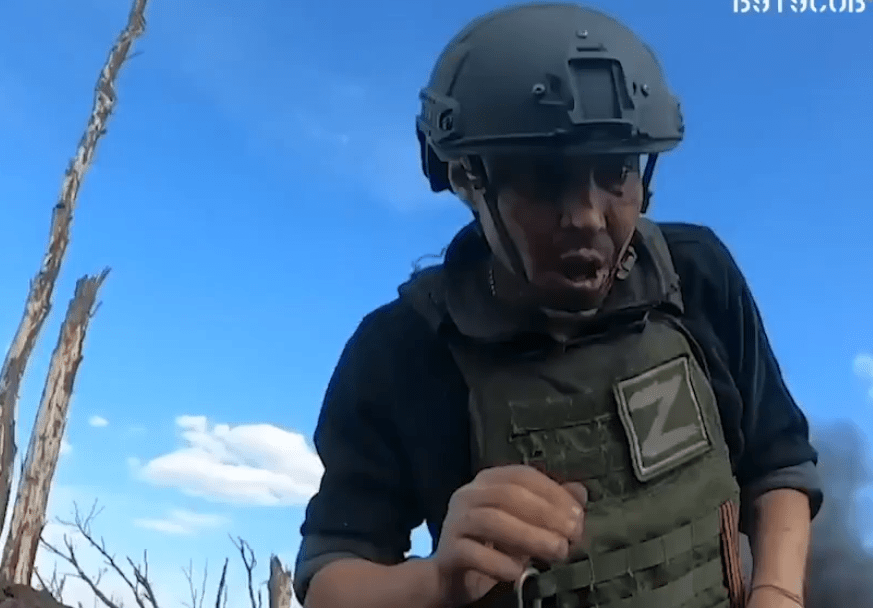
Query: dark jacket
393,432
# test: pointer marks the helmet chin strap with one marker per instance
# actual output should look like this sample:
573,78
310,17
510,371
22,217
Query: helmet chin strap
516,265
489,194
648,172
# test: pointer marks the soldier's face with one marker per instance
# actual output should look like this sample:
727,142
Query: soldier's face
570,218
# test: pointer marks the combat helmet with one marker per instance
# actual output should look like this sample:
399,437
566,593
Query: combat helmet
545,77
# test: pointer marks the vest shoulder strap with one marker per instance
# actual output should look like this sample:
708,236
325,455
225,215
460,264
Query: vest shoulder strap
659,250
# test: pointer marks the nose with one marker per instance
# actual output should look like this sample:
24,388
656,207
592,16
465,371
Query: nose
584,208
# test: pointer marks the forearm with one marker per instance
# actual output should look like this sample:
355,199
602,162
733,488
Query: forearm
780,539
357,583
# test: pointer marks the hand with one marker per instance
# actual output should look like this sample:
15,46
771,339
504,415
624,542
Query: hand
498,523
768,597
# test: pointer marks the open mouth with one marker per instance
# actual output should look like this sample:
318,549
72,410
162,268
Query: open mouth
584,269
577,268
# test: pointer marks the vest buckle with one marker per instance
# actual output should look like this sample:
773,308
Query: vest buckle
526,576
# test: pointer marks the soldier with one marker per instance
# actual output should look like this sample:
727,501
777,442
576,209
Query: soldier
581,404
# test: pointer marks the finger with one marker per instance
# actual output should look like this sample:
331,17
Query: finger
577,491
580,493
513,535
471,554
536,482
524,560
523,504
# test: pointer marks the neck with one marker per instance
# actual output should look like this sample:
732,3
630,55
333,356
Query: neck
563,325
513,291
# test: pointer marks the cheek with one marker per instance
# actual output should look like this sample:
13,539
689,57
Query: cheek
622,215
531,227
621,220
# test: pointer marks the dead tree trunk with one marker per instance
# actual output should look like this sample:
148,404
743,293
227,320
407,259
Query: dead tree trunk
279,585
28,514
42,286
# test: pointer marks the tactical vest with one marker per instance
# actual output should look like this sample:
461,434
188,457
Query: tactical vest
630,414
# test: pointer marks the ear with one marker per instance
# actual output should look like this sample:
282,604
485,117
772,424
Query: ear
463,183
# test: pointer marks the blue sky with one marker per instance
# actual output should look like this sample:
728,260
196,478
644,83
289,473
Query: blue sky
258,192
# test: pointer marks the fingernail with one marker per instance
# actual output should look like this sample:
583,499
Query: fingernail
561,549
577,510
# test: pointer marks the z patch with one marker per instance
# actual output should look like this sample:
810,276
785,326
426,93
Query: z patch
662,418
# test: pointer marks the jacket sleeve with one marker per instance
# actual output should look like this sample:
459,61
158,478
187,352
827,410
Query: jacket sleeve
365,507
777,452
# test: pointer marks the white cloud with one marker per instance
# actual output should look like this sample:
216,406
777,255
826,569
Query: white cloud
98,421
255,464
182,522
863,366
66,448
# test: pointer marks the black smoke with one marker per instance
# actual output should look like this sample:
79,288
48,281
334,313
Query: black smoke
840,567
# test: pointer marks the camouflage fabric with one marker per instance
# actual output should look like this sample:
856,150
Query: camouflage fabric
628,412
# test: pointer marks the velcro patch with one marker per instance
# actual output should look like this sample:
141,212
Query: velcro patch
662,418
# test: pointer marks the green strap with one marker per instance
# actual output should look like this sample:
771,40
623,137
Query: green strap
592,571
660,251
678,592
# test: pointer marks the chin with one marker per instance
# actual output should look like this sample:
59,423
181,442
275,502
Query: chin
575,301
564,296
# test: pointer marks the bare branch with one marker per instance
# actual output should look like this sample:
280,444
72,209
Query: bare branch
191,589
70,557
203,584
196,595
54,586
249,562
57,586
222,588
42,583
83,525
141,574
39,298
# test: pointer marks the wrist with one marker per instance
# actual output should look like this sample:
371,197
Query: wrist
771,594
433,590
793,585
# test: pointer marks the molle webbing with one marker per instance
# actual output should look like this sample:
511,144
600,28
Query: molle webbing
562,581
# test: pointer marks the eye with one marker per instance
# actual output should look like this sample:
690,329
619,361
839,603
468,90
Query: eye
611,173
548,180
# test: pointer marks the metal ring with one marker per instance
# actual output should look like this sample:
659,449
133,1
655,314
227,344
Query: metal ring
520,588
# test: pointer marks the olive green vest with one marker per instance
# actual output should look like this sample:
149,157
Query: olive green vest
631,415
